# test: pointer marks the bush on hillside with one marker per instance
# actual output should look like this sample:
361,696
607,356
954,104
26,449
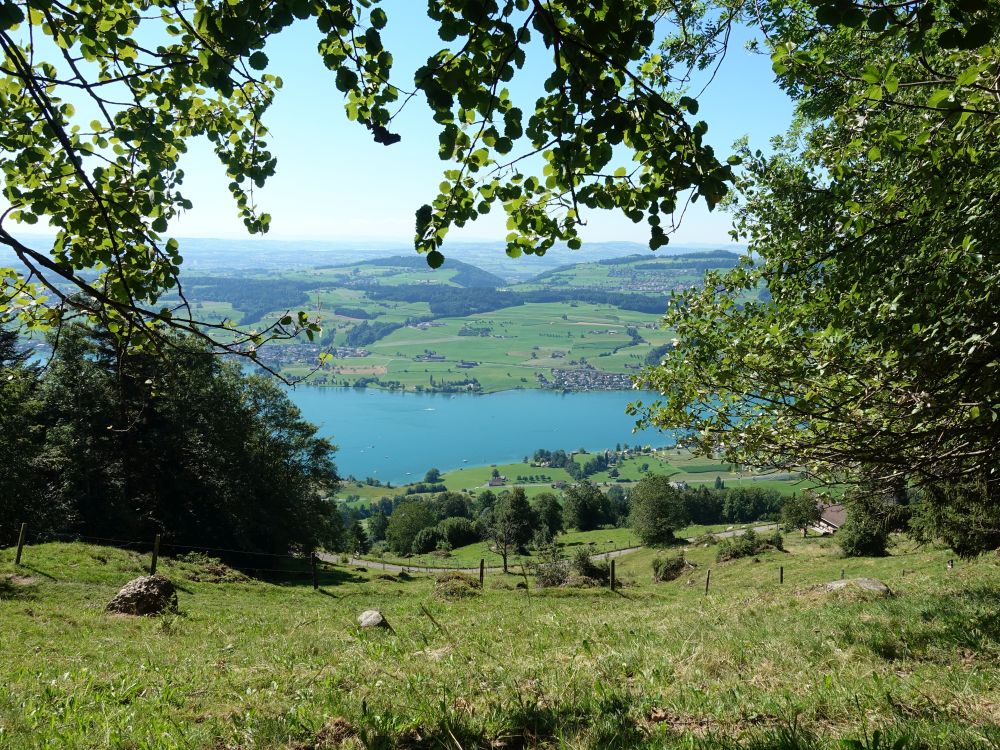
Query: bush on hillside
657,510
584,567
426,540
406,521
859,539
670,567
551,571
458,531
747,545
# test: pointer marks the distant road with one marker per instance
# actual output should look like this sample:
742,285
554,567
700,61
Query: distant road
740,532
358,562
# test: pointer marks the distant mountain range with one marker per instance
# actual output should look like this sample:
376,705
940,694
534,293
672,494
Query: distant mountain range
206,255
210,254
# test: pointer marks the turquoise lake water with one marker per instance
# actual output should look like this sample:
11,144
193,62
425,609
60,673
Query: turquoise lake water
396,437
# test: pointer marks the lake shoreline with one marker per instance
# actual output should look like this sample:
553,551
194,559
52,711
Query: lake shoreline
397,436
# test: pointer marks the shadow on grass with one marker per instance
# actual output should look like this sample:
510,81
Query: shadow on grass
941,627
301,577
606,723
12,589
39,572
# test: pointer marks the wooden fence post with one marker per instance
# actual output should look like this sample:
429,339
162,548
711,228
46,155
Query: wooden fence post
315,573
156,555
482,571
612,574
781,574
708,579
20,543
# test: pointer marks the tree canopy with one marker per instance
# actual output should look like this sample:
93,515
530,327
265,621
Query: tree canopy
100,99
657,510
112,443
873,229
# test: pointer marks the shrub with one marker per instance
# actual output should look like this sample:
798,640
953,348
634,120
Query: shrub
860,539
426,541
583,566
657,509
458,531
542,539
443,548
669,568
405,523
551,571
776,540
747,545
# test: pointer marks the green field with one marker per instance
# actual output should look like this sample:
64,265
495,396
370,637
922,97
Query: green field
678,465
753,664
508,348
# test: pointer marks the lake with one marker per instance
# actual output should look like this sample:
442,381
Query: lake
396,436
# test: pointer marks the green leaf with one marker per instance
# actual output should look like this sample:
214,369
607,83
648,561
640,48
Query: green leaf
691,105
378,18
878,19
939,97
950,39
10,15
435,259
347,79
828,15
978,35
258,61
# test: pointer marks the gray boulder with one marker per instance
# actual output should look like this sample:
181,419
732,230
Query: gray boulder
871,586
145,596
372,618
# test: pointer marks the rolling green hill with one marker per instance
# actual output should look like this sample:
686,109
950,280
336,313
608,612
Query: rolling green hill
395,323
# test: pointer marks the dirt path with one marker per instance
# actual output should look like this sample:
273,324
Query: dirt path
358,562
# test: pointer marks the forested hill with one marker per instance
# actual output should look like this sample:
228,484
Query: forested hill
638,282
465,274
638,272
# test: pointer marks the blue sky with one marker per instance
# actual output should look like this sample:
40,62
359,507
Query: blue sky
334,183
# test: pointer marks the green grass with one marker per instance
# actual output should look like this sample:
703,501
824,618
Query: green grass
268,665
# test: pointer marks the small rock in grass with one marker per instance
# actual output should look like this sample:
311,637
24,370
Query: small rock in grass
145,596
372,618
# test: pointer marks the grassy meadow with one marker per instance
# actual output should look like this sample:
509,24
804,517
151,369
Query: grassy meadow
523,341
753,664
678,464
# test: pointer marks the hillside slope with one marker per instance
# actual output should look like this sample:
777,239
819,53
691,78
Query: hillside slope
754,664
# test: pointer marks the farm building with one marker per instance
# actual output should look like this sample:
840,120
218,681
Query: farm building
831,518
